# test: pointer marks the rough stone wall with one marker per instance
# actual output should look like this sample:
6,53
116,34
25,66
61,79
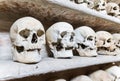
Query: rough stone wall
49,13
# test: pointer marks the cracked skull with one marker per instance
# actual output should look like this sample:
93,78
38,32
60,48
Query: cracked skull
85,40
27,37
112,9
60,38
105,43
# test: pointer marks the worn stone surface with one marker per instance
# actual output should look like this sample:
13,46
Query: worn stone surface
67,74
49,13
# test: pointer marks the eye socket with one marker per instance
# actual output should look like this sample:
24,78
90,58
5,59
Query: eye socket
103,4
25,33
119,42
88,3
90,38
63,33
97,6
73,34
40,33
109,40
115,8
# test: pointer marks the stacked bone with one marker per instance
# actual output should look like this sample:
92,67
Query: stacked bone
62,40
28,41
99,43
110,74
102,6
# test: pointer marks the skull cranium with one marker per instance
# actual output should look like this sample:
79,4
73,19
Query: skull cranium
101,75
81,78
105,43
115,72
60,38
112,9
28,37
100,5
85,39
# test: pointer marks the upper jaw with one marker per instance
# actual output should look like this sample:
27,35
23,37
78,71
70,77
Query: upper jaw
105,49
21,49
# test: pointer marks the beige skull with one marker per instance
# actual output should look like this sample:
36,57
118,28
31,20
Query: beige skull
105,43
112,9
85,39
99,5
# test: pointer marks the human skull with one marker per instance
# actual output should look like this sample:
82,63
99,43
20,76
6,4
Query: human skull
81,78
105,43
60,38
116,37
101,75
114,71
85,40
99,5
27,37
112,9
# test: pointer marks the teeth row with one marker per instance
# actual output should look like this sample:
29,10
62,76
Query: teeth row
32,47
105,50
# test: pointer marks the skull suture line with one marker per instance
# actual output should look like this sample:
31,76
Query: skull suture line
60,38
85,39
27,36
105,43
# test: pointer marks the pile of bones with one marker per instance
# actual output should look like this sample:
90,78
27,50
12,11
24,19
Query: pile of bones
102,6
110,74
28,39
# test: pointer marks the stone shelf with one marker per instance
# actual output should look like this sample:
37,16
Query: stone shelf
12,70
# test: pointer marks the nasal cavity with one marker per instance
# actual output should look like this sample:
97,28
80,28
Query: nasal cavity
34,38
